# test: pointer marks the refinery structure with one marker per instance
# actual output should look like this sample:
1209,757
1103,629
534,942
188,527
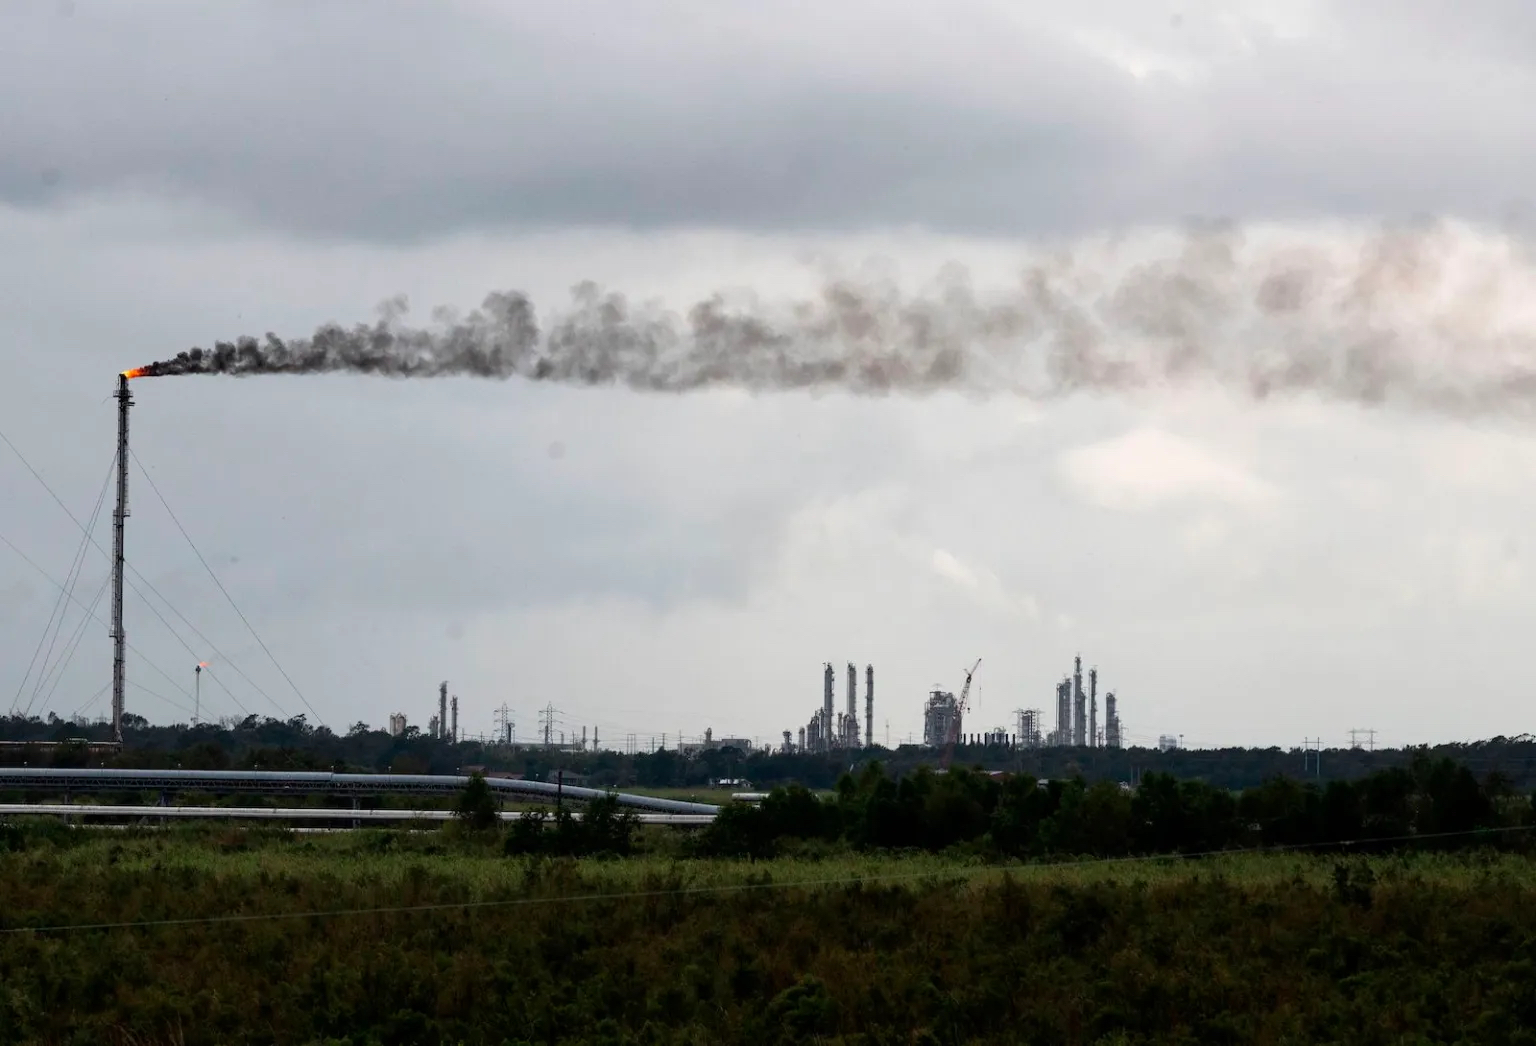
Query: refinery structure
1077,722
1077,718
1077,713
830,730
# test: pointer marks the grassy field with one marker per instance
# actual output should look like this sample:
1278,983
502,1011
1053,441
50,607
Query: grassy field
390,857
376,938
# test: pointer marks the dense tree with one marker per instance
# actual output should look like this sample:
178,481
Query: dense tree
476,807
1432,803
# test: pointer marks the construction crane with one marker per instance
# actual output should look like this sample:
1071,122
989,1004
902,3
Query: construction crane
954,724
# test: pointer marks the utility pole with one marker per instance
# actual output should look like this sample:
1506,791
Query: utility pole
119,516
1312,754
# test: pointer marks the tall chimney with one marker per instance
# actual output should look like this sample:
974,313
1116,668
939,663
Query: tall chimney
442,709
453,733
825,739
869,706
1079,717
851,731
119,515
1093,707
1064,713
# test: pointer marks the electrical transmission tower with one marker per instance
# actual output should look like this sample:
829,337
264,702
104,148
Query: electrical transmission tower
1370,738
547,721
504,725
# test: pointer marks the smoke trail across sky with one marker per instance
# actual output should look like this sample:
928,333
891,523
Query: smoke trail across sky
1436,317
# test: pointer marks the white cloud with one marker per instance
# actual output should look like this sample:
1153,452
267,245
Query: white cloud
984,586
1480,460
1148,467
1205,532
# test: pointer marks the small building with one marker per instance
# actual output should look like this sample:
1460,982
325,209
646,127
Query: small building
500,775
712,744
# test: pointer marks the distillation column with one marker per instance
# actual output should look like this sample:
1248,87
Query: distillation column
869,706
1093,707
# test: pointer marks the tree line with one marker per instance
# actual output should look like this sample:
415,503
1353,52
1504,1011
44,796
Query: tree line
1431,801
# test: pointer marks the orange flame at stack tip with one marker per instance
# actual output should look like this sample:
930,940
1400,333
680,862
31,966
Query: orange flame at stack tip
137,372
202,664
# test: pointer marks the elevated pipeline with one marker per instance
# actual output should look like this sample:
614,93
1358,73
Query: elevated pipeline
306,813
299,782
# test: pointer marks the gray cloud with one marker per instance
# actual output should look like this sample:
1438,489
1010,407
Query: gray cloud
395,122
340,120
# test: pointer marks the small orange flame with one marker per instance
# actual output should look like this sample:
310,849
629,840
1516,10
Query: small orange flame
202,664
137,372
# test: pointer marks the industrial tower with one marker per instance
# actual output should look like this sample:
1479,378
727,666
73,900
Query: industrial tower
1093,707
1079,713
869,706
119,515
849,737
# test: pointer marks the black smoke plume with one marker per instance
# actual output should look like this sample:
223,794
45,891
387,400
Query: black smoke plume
1410,316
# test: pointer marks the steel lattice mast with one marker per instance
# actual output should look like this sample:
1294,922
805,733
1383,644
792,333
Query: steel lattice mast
119,638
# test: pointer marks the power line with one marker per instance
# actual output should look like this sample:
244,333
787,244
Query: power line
188,648
91,700
147,583
162,697
137,652
726,888
59,666
193,546
61,604
210,644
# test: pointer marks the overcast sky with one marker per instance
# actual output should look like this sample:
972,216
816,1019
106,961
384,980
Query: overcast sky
1240,572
